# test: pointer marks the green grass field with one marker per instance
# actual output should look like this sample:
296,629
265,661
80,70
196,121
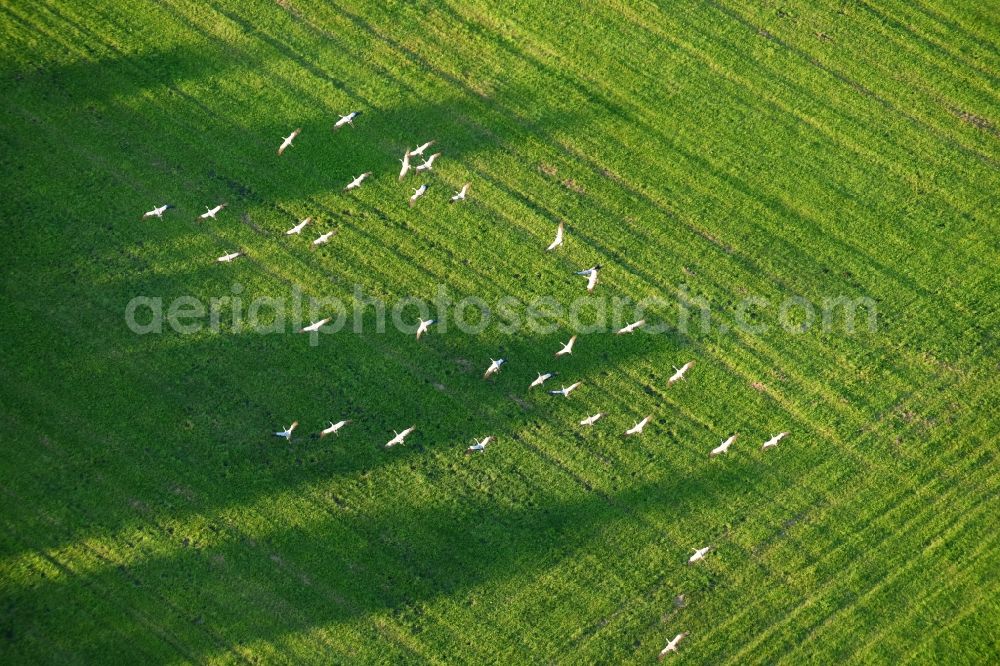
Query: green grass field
799,150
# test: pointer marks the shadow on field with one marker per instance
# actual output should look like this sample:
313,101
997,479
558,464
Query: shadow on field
207,147
347,565
164,433
342,561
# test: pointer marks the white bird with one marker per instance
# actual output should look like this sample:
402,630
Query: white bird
480,445
494,367
157,212
211,212
461,194
679,372
346,120
591,420
333,428
400,436
417,193
297,229
541,379
722,448
638,427
315,326
427,164
699,554
419,150
357,181
774,440
566,390
406,165
591,274
631,327
287,432
226,258
672,645
559,238
324,238
287,141
424,326
567,348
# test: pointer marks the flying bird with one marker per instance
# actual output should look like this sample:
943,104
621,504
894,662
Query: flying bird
357,181
638,427
333,428
226,258
346,120
494,367
406,165
157,212
774,440
297,229
400,436
287,432
591,274
722,448
567,348
559,238
631,327
480,445
461,194
591,420
287,141
211,212
699,554
427,164
324,238
566,390
541,379
679,372
419,150
672,645
424,326
417,193
315,326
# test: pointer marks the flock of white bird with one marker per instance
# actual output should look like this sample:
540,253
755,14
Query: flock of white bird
495,365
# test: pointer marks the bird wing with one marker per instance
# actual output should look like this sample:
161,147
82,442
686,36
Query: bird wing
558,240
592,281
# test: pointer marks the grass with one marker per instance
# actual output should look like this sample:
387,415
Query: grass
785,150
